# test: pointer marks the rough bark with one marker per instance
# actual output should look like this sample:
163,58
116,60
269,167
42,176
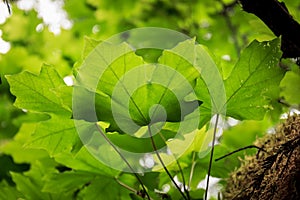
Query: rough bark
277,17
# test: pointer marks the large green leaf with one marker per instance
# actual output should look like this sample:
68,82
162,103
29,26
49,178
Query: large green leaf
37,93
127,88
256,76
252,85
134,87
88,75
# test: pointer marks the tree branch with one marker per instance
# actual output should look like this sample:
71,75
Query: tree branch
277,17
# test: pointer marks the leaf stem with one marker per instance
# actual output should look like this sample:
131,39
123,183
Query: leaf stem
180,170
163,164
129,188
192,169
211,156
183,180
123,158
126,186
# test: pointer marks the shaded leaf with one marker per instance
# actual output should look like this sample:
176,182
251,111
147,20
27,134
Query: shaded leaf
30,183
67,182
9,192
104,188
85,161
16,146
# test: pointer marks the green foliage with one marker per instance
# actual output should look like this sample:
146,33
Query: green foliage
38,125
36,93
255,74
290,89
60,137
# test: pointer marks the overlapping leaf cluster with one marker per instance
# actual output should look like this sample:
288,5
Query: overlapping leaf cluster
47,140
82,175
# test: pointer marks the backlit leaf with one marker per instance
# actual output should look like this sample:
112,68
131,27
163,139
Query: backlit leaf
36,93
252,82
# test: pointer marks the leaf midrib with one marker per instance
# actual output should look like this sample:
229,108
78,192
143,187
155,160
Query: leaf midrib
250,75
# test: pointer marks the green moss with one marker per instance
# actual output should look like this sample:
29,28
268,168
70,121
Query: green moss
273,173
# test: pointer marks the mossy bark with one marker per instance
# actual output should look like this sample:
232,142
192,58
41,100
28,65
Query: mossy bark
273,173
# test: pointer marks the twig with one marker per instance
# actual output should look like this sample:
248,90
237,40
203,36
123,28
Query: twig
238,150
